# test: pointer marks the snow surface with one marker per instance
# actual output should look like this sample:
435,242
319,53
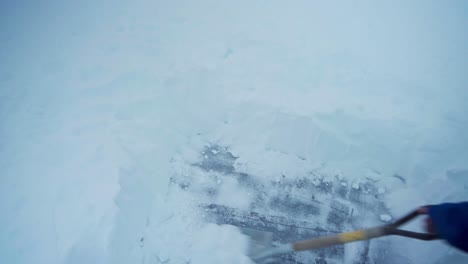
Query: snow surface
102,102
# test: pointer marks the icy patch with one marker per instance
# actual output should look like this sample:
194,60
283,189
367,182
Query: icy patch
291,206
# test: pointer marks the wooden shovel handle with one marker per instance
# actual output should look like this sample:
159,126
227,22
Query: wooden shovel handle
339,238
342,238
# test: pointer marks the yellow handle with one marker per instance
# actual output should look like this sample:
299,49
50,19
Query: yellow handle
352,236
338,239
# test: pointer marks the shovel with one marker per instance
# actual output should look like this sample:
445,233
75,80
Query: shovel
261,250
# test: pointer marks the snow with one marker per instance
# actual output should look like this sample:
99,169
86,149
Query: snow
228,246
381,190
230,193
385,217
102,104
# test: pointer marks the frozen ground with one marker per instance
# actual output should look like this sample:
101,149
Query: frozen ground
131,132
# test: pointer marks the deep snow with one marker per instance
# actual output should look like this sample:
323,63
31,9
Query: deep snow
102,102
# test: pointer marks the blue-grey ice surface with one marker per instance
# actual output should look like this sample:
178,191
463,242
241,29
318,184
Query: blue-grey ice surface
133,132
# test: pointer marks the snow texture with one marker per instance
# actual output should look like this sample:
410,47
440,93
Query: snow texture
154,131
385,217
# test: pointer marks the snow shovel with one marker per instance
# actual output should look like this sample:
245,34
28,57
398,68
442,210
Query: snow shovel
261,251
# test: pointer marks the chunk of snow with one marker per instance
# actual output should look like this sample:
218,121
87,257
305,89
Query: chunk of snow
356,186
230,194
214,151
219,244
344,184
340,177
316,182
385,217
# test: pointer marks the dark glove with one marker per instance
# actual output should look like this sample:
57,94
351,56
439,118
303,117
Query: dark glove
450,222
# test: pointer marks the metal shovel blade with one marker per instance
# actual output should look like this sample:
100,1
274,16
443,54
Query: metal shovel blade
261,249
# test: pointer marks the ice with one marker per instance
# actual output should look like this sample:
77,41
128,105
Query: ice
136,132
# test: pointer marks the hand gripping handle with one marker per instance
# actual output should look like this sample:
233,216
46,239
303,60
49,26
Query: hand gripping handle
364,234
392,229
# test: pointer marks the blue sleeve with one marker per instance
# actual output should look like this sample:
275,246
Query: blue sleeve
450,222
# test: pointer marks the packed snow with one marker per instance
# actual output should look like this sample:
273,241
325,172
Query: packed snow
381,190
151,131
